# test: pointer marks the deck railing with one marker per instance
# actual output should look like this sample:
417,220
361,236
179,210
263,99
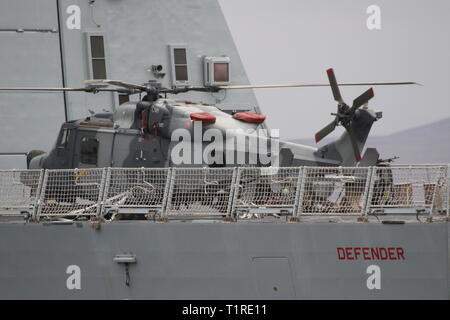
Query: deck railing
237,193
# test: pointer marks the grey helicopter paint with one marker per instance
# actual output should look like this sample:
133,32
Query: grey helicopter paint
380,257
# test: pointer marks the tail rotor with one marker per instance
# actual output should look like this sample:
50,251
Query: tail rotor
345,114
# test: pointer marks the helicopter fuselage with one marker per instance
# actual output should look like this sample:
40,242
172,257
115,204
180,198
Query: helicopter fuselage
168,133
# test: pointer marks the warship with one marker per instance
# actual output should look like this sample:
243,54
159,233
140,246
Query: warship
109,212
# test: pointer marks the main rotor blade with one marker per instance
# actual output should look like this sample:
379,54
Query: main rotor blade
176,90
134,88
353,141
361,100
334,86
308,85
116,83
86,89
42,89
325,131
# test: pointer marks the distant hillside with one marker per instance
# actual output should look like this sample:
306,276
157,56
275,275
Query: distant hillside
425,144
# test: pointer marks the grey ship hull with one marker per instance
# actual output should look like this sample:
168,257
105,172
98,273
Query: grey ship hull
206,260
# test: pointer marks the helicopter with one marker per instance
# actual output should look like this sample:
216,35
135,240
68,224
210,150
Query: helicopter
147,133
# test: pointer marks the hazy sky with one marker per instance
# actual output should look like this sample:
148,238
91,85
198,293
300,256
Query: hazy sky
295,41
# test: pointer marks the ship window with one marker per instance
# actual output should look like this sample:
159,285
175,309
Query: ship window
181,73
89,150
221,73
216,71
178,56
97,57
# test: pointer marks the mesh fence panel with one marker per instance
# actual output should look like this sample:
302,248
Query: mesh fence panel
333,191
19,188
414,186
136,187
72,192
222,191
267,188
447,192
200,191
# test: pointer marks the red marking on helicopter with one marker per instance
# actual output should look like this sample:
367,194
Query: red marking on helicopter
187,124
250,117
204,117
154,130
144,119
317,137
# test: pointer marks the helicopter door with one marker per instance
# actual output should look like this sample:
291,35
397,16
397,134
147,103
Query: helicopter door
131,150
63,147
92,150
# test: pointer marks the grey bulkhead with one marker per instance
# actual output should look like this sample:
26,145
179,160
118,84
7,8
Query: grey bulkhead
244,260
46,53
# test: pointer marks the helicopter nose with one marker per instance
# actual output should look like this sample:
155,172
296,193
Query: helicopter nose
35,159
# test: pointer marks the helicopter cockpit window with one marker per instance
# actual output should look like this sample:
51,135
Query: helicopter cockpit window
178,56
63,138
89,150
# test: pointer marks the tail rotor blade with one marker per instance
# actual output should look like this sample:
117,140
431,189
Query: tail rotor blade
351,134
361,100
325,131
334,86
